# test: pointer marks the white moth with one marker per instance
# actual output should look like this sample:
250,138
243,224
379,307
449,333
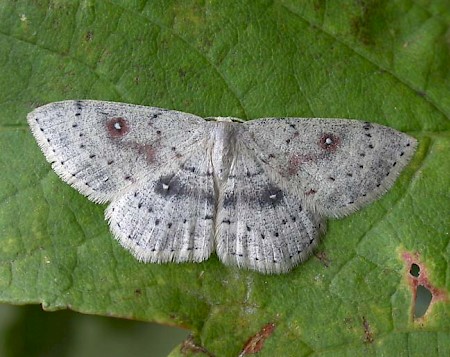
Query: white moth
181,186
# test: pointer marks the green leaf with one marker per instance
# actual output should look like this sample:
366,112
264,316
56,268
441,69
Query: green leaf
381,61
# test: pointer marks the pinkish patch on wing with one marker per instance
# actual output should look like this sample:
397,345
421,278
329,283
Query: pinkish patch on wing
149,152
146,150
295,161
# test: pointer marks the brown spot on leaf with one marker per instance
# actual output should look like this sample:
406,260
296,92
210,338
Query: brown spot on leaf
368,335
421,94
322,256
189,347
89,36
417,276
255,343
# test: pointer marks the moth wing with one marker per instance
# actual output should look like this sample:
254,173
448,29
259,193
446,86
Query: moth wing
260,225
101,148
335,166
170,217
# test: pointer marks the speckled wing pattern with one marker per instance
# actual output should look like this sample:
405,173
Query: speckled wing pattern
261,225
162,199
289,174
180,186
335,165
170,216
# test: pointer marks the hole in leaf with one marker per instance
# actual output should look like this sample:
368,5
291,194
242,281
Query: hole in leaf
415,270
423,300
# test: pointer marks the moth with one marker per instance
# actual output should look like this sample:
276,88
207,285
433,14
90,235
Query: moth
180,187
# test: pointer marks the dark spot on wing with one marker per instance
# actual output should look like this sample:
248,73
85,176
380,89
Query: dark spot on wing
329,142
270,195
169,186
229,200
188,168
117,127
367,126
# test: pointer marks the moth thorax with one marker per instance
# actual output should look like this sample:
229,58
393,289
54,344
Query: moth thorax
223,138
